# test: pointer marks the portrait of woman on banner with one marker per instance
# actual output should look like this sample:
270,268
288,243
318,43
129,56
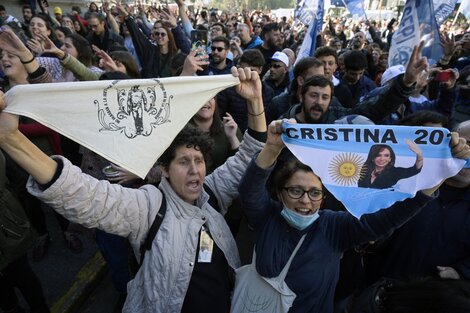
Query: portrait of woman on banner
379,170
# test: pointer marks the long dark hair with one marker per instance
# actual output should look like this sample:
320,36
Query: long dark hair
216,127
172,49
374,151
128,61
85,54
281,176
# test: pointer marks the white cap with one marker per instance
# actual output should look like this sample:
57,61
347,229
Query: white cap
391,73
281,57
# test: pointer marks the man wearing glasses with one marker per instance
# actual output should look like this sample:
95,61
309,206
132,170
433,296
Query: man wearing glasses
278,78
100,35
219,63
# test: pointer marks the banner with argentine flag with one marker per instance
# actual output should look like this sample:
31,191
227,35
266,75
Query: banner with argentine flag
418,23
370,167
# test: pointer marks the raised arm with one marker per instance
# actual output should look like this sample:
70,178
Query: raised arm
223,182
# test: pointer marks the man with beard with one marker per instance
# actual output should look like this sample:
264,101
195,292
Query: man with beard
317,92
219,64
271,43
359,85
303,70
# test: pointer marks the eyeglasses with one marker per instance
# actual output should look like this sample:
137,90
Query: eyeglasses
218,49
297,193
93,26
275,65
158,34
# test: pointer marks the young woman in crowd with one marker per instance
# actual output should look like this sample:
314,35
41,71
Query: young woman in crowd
225,134
156,59
299,248
74,46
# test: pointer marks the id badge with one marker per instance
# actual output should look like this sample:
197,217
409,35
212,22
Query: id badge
206,247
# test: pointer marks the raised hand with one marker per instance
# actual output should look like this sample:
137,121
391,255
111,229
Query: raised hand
274,144
193,63
168,19
459,146
416,65
230,126
448,43
36,46
417,150
13,44
49,47
123,176
250,87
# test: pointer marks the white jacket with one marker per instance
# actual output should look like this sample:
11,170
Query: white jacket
163,279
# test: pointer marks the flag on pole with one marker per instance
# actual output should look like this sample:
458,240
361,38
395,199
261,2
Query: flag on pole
417,23
369,167
465,9
442,9
310,13
356,8
128,122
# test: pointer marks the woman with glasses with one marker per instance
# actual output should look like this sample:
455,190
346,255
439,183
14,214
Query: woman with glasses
299,247
156,58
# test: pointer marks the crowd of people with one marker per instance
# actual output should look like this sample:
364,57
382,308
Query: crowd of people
227,193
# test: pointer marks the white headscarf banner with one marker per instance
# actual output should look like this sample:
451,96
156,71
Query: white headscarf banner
128,122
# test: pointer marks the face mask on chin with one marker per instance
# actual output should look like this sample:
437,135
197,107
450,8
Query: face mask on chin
298,221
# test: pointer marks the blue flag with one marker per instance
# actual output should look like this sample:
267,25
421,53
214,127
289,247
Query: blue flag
370,167
417,23
356,8
442,9
310,13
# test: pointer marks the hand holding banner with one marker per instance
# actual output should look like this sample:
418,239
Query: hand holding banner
369,167
129,122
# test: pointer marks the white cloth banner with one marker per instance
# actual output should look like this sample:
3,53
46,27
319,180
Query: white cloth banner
128,122
369,167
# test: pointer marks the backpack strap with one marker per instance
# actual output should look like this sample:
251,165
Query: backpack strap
157,222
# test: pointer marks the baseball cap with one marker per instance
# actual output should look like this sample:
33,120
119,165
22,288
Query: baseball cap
391,73
57,10
281,57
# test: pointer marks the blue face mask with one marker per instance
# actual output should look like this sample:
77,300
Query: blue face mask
297,220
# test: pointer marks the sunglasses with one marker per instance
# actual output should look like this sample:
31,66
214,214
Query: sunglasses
159,34
218,49
275,65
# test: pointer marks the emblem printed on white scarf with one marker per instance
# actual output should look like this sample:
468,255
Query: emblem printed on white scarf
128,122
138,110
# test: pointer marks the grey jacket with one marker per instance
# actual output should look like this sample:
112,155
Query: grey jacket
162,281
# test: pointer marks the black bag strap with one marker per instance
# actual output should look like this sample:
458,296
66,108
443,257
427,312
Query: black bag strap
157,222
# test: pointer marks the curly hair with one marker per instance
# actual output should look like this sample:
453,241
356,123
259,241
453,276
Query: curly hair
189,137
